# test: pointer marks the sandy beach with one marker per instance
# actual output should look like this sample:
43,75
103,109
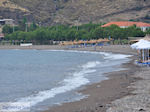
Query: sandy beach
125,91
124,49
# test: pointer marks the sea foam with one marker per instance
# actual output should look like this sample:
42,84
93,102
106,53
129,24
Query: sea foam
106,54
114,56
74,81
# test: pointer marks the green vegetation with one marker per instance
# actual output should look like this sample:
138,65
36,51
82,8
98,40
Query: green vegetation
43,35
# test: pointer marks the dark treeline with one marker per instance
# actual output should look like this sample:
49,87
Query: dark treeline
34,33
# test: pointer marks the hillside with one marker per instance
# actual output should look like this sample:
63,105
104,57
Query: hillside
76,11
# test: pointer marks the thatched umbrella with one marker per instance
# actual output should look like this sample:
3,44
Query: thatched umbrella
103,40
92,41
147,37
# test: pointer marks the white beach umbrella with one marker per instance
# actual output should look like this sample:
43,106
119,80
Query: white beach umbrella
142,44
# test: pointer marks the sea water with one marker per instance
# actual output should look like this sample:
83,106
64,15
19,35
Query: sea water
45,78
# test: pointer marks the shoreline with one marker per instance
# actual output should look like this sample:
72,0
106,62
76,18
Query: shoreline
102,94
120,49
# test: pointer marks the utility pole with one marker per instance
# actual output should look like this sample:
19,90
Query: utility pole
77,27
77,24
56,25
39,24
13,28
26,27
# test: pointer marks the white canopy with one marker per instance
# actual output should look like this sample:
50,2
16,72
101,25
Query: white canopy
142,44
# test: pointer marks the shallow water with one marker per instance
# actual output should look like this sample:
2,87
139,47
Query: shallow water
48,77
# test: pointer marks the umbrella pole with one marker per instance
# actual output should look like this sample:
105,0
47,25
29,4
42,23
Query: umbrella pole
140,55
148,54
143,55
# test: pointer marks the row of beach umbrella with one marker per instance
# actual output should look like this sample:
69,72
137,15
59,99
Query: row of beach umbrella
84,42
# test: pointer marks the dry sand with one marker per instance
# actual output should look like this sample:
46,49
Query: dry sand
103,93
125,91
125,49
139,101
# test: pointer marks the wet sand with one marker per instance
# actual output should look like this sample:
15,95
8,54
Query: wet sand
102,94
108,95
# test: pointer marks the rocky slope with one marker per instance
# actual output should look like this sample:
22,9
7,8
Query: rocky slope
76,11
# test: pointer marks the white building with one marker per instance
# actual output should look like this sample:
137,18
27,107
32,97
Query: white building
126,24
6,22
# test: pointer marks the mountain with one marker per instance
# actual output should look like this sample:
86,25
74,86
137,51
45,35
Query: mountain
77,12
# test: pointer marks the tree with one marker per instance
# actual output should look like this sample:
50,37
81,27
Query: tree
33,26
134,31
89,31
71,34
7,29
22,24
98,33
148,31
79,34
